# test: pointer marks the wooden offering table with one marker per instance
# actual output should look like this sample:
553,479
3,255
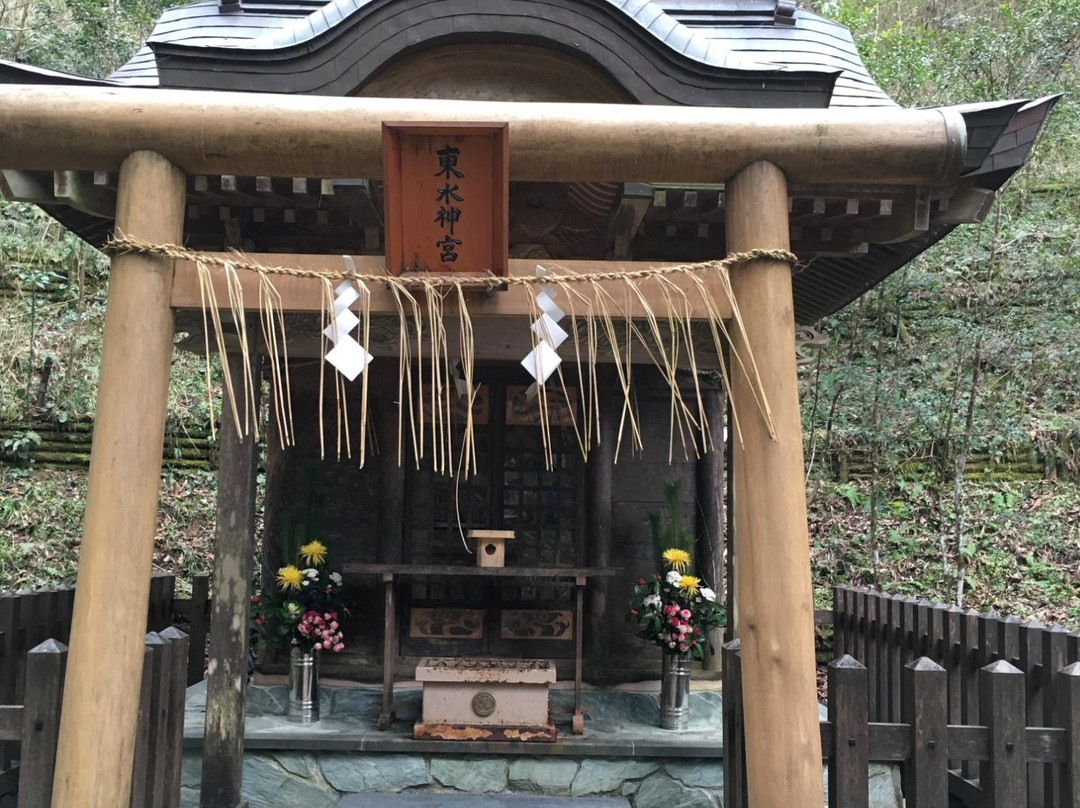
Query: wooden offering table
388,573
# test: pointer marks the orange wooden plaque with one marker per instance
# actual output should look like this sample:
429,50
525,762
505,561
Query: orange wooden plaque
446,191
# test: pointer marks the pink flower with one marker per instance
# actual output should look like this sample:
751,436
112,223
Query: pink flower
326,643
684,648
338,647
685,614
334,625
671,645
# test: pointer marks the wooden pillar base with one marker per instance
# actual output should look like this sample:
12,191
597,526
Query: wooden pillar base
101,697
776,609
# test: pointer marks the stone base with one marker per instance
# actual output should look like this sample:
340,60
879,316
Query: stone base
623,754
542,733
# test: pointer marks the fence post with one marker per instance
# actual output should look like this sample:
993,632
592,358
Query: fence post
921,646
66,596
907,644
1009,639
849,774
936,649
155,730
896,662
735,794
200,594
870,661
882,713
1004,775
969,657
1055,642
45,667
141,772
23,633
9,615
839,621
52,616
859,620
988,638
174,720
1036,678
1067,709
952,660
926,772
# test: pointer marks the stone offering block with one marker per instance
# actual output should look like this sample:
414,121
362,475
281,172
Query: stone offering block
472,699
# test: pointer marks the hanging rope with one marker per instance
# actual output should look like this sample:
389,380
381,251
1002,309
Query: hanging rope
666,339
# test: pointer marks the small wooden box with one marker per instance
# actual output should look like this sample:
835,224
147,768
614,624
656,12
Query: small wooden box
491,546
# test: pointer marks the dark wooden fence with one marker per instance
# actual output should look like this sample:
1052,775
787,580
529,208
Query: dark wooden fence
30,730
30,617
978,710
35,627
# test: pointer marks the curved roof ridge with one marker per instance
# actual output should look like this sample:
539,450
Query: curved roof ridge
648,15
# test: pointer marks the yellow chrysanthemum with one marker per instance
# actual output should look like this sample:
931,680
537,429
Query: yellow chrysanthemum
677,559
289,577
690,584
313,552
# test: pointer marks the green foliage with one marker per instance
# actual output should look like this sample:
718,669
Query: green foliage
87,37
1007,290
668,531
41,513
17,447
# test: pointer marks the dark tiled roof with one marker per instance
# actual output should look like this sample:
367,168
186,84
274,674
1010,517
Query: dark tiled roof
755,29
763,37
1004,133
15,73
300,46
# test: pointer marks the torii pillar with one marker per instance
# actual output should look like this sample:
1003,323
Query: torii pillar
776,606
105,660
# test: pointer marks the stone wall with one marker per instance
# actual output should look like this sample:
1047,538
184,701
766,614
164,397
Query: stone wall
319,779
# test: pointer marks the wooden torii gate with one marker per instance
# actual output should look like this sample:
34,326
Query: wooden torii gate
156,137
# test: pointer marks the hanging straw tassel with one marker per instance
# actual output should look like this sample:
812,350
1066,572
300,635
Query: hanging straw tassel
669,343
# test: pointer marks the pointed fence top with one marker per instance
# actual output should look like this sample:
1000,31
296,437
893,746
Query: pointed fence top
924,664
49,646
1003,666
847,661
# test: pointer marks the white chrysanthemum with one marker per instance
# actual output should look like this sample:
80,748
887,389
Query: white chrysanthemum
652,600
708,594
673,577
335,578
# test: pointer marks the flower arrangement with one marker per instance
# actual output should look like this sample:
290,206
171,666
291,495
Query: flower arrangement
305,608
675,608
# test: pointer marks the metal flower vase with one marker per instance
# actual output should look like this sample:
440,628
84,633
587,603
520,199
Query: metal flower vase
303,686
675,692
